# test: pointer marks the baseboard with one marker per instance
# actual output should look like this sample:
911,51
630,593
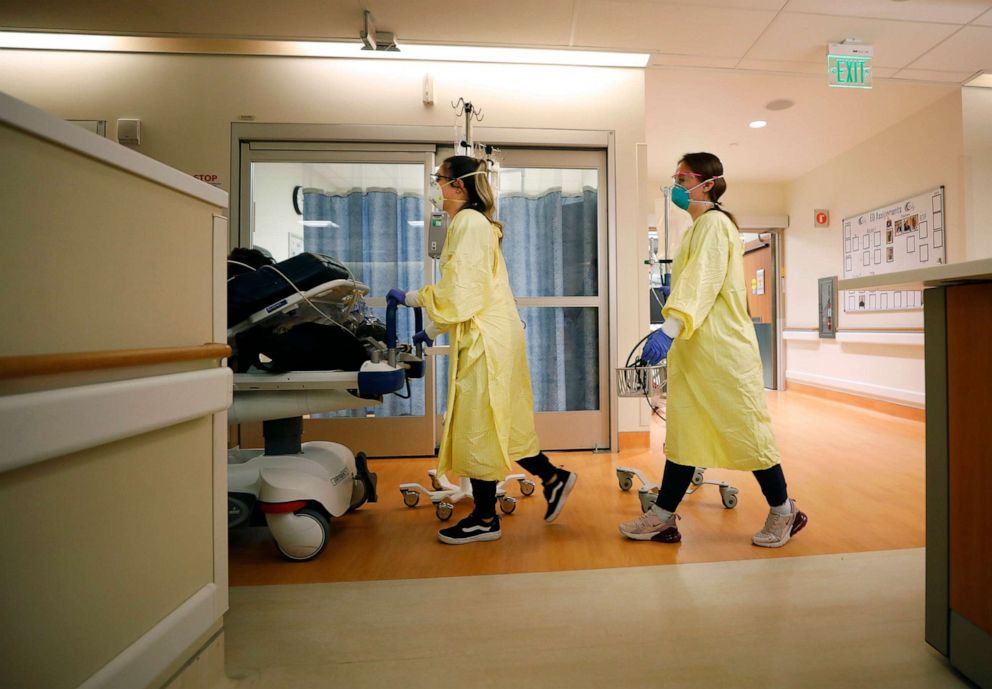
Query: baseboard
634,440
858,388
158,649
892,408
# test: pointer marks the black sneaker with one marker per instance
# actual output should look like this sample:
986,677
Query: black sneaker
557,492
469,530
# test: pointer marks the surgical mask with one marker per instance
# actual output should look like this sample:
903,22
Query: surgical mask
680,195
437,198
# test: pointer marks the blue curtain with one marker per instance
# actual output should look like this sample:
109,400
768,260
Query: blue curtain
550,247
378,235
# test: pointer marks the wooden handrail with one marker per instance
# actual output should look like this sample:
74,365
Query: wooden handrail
70,362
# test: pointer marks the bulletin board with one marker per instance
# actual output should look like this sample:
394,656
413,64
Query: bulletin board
900,236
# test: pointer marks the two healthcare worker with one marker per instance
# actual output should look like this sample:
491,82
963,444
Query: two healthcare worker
716,410
490,419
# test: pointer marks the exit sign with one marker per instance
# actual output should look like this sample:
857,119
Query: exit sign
849,65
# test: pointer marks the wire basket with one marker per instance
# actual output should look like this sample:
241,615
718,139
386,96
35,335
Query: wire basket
642,381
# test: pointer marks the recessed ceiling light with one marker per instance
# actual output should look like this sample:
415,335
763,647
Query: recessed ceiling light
757,124
780,104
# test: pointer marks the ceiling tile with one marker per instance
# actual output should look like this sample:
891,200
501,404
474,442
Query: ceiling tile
931,75
985,19
666,60
969,50
736,4
510,22
944,11
804,38
794,142
668,28
785,66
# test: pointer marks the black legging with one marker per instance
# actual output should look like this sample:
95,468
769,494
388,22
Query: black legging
677,478
484,492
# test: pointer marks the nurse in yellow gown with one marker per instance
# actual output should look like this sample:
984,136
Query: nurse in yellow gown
489,424
716,411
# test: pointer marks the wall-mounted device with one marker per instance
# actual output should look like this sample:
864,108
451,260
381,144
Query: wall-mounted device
129,132
437,230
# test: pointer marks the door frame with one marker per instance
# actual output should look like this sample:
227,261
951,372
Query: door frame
373,137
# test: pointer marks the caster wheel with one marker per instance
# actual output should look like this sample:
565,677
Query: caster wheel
729,497
527,486
435,483
443,510
697,477
625,479
507,504
411,498
647,499
314,544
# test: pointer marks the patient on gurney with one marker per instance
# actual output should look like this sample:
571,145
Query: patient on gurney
322,331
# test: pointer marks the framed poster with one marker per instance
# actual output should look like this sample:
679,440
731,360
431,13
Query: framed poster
900,236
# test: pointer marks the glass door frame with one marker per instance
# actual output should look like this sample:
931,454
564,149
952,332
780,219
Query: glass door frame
397,137
385,436
584,429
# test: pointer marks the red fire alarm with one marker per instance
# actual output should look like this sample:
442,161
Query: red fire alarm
821,218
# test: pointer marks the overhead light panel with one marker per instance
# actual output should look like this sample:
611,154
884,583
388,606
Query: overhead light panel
981,80
757,124
339,49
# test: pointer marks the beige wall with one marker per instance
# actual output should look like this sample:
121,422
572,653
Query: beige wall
186,104
919,153
976,104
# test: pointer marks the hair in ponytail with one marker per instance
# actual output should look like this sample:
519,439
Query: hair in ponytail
708,166
480,194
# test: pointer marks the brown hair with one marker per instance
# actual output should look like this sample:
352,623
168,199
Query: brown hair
708,166
480,194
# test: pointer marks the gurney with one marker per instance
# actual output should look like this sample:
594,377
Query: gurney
296,488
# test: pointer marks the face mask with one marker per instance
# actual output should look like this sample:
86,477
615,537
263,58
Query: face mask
437,198
680,195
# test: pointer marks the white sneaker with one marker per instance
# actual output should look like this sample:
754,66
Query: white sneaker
649,527
779,528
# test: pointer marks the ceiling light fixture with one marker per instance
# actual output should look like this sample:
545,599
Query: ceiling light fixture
981,80
335,49
757,124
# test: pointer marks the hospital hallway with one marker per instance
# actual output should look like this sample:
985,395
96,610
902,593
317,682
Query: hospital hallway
574,604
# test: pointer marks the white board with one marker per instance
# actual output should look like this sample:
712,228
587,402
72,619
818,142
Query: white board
900,236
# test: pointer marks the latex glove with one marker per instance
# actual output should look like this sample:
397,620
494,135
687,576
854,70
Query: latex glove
397,295
656,348
423,337
666,290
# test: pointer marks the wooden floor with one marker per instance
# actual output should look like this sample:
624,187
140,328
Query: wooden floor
857,473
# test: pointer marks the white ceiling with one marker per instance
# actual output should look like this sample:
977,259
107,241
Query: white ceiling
714,65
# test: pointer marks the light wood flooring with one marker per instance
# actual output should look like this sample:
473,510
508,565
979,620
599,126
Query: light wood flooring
857,473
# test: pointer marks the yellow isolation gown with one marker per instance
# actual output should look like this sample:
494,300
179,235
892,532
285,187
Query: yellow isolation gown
716,410
490,417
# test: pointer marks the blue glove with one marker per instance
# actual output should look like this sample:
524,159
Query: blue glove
656,348
397,295
666,290
421,336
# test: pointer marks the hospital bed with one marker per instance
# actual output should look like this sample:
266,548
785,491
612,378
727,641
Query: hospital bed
296,488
